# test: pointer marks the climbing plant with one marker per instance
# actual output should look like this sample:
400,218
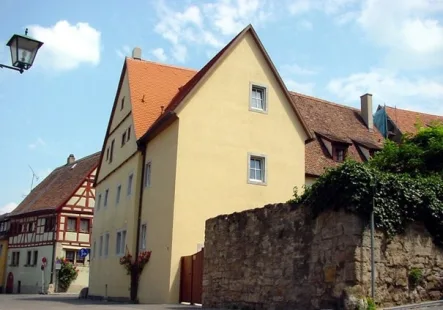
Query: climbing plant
399,198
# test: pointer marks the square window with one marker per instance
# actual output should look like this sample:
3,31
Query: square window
70,255
338,153
117,197
257,169
148,174
84,225
72,224
258,100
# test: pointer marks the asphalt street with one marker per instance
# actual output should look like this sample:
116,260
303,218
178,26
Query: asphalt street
71,302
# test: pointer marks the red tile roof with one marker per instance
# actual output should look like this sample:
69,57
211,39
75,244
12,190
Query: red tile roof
153,86
405,120
58,187
334,122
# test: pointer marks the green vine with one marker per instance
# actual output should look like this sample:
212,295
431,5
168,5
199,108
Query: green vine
399,198
415,277
371,304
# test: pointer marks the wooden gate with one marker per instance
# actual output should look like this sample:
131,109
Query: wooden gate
191,278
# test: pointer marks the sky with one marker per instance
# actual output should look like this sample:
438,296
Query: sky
337,50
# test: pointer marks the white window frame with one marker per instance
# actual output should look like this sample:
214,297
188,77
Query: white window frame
118,194
143,243
129,188
148,180
123,233
266,98
264,159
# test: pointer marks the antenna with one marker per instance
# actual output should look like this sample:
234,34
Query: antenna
33,176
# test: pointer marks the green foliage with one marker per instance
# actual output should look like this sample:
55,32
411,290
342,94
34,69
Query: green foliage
402,183
415,276
416,155
67,274
398,198
371,304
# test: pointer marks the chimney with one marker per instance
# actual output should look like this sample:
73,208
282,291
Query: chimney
71,159
137,53
366,110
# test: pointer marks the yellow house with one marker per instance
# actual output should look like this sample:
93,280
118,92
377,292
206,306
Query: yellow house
183,146
4,228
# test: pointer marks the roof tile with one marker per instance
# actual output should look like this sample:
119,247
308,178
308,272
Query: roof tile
58,186
406,120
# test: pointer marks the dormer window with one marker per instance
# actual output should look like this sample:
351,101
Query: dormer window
339,152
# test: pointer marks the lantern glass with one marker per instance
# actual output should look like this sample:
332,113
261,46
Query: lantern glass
23,51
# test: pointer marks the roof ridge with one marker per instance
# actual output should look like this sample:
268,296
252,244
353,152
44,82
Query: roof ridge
78,160
163,64
324,101
417,112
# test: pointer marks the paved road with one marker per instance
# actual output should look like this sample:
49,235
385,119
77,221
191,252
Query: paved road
71,302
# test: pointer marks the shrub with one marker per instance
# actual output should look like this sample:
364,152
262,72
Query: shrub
67,274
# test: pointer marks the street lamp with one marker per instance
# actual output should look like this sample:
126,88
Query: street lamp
23,51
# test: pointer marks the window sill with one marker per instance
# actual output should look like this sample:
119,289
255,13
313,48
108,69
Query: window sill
257,182
258,110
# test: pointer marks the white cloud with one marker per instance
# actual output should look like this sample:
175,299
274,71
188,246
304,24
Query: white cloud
298,7
420,94
67,46
38,142
124,51
159,53
297,70
208,24
7,207
303,88
407,28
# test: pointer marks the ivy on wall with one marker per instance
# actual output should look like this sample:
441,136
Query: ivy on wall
403,184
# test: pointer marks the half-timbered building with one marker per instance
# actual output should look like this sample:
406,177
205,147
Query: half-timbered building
53,221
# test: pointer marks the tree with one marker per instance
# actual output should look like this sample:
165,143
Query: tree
419,154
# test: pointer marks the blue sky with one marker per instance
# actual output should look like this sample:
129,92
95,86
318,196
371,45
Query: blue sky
333,49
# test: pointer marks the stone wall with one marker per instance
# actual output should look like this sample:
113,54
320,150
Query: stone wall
279,257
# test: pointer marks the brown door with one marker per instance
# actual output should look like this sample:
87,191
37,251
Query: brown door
191,278
10,283
186,279
197,278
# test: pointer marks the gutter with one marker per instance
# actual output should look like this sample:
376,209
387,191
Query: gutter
134,276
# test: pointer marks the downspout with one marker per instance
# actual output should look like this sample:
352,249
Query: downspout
53,248
135,275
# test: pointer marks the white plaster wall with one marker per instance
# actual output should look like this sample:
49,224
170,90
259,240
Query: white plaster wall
30,277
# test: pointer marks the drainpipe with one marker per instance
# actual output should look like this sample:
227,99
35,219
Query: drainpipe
372,246
134,276
53,248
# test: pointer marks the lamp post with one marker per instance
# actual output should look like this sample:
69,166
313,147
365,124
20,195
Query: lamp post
23,51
